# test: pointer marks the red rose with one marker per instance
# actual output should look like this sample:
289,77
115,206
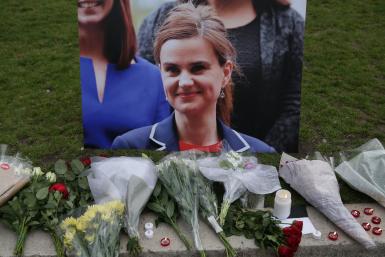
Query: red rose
86,161
284,251
61,188
291,230
293,242
298,224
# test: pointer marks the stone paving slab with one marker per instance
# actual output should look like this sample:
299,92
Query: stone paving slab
39,243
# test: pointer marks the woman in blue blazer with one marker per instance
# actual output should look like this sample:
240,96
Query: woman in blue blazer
268,38
120,91
196,61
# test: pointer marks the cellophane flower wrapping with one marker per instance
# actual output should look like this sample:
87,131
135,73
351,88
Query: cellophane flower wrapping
96,232
178,173
363,169
315,181
128,179
208,208
239,174
15,172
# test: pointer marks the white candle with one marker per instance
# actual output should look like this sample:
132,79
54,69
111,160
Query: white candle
282,204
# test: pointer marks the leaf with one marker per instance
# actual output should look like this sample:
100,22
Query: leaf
164,197
42,193
16,206
239,224
30,201
70,176
170,209
248,234
70,204
77,166
83,183
34,223
6,209
266,222
258,235
272,238
155,207
55,221
60,167
50,205
157,190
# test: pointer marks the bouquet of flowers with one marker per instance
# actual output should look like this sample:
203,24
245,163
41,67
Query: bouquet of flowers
178,177
47,197
130,180
67,191
21,213
239,174
209,211
364,169
167,212
96,232
315,181
263,228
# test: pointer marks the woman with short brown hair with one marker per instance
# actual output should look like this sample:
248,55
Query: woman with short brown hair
268,38
196,61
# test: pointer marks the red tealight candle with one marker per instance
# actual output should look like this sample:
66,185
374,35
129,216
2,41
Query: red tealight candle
376,220
165,241
355,213
377,231
366,226
368,211
4,166
333,236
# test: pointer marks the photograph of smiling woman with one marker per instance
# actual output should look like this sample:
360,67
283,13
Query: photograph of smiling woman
120,91
196,61
268,38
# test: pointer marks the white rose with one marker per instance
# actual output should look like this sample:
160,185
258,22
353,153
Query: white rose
51,177
37,171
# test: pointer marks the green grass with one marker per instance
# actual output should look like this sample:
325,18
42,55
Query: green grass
343,100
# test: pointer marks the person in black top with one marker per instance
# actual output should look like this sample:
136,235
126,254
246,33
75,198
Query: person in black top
268,38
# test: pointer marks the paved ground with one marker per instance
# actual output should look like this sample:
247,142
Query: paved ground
39,243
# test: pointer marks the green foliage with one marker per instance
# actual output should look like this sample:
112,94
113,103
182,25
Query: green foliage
36,206
133,246
257,225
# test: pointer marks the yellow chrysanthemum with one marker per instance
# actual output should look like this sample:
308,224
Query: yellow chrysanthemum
82,224
68,237
68,222
90,238
107,215
117,206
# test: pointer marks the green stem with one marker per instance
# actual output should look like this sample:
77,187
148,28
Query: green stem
133,247
230,252
202,253
224,209
182,237
21,236
57,243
